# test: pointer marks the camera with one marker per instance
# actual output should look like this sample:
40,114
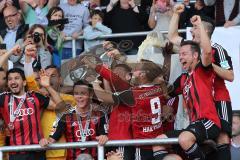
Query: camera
59,23
36,37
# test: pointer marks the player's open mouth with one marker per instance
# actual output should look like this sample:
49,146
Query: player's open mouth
14,86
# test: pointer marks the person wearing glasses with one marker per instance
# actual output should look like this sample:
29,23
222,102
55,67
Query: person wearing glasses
15,26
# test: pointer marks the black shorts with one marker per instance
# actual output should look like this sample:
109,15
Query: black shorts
224,109
28,155
202,129
143,154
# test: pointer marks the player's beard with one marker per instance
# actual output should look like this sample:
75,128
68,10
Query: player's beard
17,90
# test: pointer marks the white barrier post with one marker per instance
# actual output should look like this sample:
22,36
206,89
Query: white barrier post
100,152
1,155
74,48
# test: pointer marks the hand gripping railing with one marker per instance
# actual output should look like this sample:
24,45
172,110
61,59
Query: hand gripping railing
89,144
115,35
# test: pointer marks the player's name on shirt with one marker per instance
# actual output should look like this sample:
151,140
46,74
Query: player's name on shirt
150,92
151,128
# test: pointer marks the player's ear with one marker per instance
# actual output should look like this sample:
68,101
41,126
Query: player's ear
196,55
128,76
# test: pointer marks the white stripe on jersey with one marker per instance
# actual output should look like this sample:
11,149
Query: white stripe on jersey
223,61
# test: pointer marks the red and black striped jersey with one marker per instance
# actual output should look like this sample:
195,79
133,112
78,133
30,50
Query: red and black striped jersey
168,124
69,126
27,127
221,58
197,90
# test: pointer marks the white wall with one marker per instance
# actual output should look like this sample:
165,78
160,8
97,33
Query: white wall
229,38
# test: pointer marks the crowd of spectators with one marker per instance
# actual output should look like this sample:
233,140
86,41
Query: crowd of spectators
33,43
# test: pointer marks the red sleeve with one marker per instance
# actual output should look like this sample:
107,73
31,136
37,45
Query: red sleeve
114,80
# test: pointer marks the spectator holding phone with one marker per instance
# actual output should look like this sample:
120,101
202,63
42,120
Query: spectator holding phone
94,30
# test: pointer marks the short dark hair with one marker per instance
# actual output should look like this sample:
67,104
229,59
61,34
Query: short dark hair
236,113
124,66
36,69
194,46
53,67
152,69
210,26
16,70
54,10
85,83
97,12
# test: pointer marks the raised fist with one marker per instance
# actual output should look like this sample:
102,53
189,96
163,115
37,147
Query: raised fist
31,50
196,20
178,8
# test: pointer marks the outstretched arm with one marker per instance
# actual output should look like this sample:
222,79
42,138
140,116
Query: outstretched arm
56,101
173,26
223,73
111,4
52,3
205,43
4,55
152,16
102,95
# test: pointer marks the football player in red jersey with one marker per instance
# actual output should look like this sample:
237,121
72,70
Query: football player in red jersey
20,110
85,123
120,118
196,86
223,68
146,101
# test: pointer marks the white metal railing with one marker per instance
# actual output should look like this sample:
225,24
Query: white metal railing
89,144
114,35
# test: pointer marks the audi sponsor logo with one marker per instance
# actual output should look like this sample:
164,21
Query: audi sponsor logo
25,112
89,132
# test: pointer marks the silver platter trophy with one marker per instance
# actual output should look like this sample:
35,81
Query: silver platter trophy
77,70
